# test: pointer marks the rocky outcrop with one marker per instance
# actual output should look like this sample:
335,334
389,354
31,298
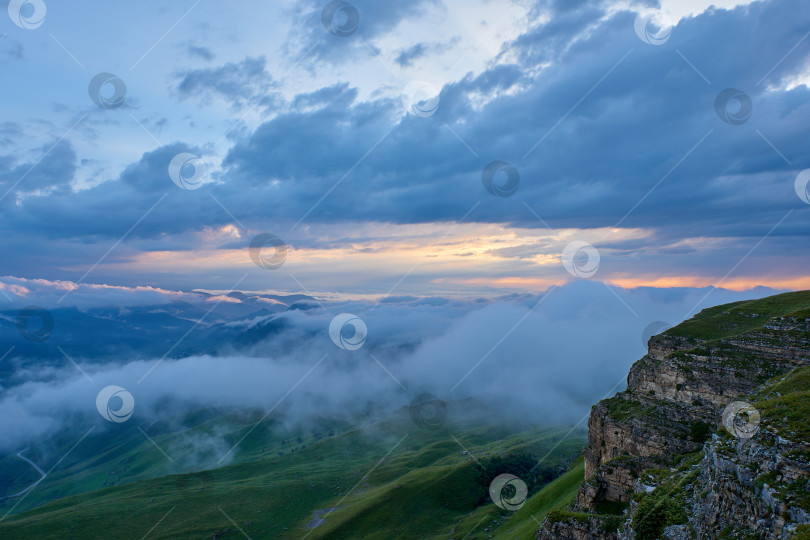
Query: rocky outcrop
707,376
675,396
559,526
640,426
673,403
752,485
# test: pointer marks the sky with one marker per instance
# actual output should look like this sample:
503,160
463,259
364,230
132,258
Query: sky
374,149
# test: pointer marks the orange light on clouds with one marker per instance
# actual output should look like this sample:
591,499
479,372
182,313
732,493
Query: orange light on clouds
392,246
442,257
742,283
512,283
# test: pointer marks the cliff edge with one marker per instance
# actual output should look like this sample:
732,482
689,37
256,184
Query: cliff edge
711,437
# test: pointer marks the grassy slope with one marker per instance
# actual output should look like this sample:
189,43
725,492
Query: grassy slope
731,319
785,405
120,454
361,518
557,495
420,490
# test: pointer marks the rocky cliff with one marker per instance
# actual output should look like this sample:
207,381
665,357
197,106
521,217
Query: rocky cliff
657,463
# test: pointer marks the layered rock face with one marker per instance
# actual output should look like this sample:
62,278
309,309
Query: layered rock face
576,529
740,486
674,401
674,394
710,375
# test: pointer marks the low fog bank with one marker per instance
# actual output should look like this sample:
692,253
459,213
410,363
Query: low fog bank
543,359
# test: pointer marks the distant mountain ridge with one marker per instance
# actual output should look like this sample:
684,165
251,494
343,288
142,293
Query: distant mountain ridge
97,335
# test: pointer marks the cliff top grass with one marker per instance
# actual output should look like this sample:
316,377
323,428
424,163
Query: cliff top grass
736,318
785,404
620,408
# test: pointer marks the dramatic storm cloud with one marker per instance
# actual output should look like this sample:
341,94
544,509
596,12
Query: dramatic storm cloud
317,132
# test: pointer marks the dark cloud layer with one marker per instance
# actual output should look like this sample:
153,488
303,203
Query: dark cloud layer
600,148
243,83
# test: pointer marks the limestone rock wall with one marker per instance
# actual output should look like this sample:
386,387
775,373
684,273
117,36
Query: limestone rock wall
575,529
742,485
676,393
